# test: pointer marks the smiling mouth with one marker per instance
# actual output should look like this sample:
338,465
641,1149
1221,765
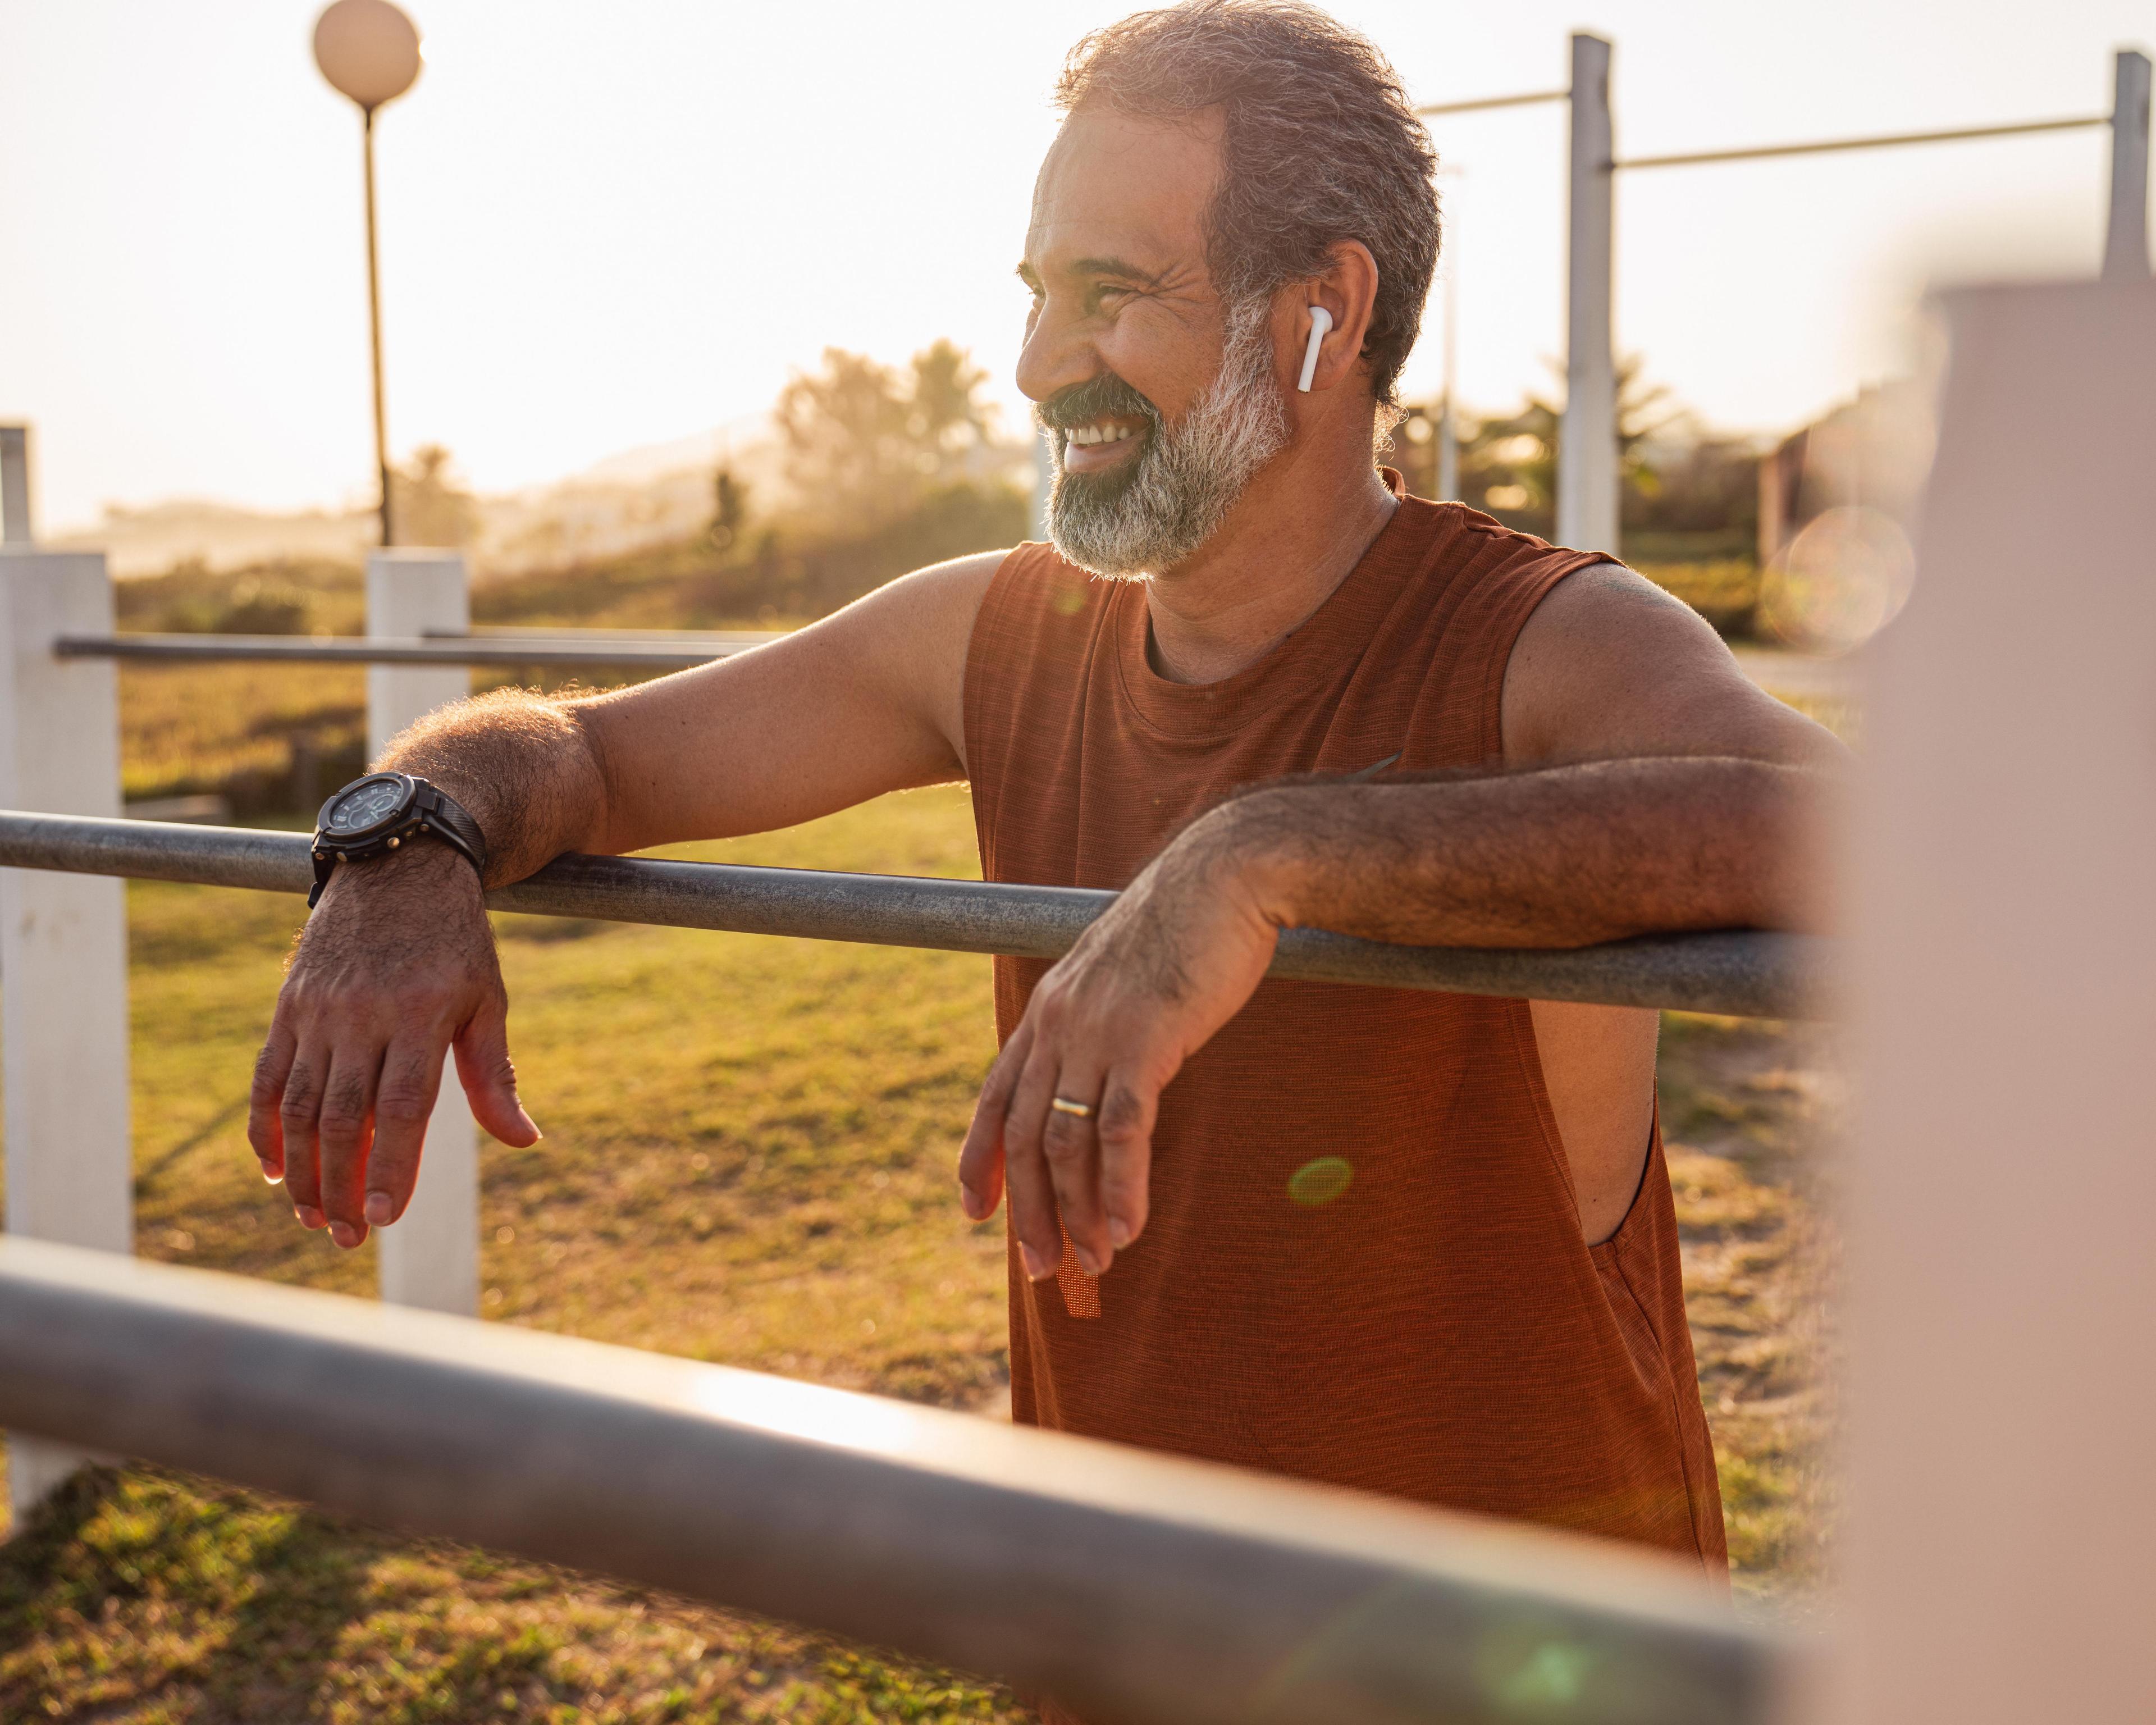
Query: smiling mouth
1101,442
1103,431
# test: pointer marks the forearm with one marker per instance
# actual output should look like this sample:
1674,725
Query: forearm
1558,857
527,768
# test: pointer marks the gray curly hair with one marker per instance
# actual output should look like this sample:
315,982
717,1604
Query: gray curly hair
1320,144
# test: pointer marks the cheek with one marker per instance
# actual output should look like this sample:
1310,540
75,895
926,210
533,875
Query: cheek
1162,358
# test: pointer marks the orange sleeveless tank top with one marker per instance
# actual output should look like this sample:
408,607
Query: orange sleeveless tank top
1363,1264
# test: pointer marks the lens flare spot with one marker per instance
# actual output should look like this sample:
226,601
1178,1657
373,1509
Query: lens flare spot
1321,1181
1844,578
1550,1679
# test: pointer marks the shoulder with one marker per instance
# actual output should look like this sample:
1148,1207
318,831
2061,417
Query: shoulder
945,595
1609,664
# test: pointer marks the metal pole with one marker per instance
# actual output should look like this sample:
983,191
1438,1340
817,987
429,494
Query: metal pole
1483,104
2126,233
374,328
1889,141
1131,1585
15,528
452,647
1733,972
1587,450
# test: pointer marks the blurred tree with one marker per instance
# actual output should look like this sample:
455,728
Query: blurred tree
429,504
729,508
1508,466
870,441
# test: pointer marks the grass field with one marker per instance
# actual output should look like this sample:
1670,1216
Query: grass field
749,1159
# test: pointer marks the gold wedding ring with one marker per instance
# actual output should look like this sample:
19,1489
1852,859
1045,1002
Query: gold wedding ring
1064,1105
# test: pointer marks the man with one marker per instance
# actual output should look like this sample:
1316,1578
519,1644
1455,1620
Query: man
1417,1243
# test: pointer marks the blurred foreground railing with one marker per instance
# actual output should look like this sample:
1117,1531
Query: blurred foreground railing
1133,1586
1739,973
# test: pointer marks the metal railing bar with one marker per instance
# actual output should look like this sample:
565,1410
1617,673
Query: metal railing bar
560,652
1736,973
608,637
1758,153
1484,103
1134,1585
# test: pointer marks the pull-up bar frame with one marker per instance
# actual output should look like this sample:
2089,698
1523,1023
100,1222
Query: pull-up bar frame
1588,493
1888,141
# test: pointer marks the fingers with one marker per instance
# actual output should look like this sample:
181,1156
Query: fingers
403,1104
488,1079
272,1066
344,1129
1071,1152
1032,1188
981,1160
1123,1128
297,1110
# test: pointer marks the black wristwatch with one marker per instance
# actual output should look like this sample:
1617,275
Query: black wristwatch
373,816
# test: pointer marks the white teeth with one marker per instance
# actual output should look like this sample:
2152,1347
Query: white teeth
1087,435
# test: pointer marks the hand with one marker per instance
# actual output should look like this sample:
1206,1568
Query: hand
396,965
1146,987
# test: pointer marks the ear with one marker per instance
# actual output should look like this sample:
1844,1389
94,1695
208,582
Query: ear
1347,289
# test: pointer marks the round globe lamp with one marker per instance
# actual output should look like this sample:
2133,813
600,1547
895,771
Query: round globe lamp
369,51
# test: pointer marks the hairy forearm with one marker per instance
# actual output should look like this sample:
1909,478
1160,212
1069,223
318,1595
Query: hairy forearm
1557,857
528,768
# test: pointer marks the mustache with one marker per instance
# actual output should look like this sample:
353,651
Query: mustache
1104,397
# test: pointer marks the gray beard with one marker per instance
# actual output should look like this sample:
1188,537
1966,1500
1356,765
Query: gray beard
1154,514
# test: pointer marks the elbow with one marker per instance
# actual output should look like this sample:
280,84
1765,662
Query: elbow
1780,838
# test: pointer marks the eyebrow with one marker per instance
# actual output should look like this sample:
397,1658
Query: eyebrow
1119,267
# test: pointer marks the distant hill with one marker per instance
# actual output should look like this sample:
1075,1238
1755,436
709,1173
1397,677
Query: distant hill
626,503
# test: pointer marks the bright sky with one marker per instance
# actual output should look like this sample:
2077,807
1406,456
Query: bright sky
613,225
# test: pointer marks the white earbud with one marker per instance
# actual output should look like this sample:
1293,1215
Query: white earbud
1321,321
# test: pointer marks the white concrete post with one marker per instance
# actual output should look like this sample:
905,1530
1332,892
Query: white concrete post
2001,1181
430,1258
15,485
1587,450
63,941
2126,231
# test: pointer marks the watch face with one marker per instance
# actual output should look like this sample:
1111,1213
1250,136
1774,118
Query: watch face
367,805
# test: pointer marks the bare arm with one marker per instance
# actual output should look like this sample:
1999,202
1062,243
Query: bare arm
397,967
865,701
1647,785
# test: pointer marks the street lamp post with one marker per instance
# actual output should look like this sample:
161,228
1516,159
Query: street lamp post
369,51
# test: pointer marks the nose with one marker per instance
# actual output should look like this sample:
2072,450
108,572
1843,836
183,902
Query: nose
1055,355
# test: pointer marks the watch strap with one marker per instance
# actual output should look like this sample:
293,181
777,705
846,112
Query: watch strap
450,819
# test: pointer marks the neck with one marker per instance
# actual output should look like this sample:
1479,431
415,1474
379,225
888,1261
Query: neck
1291,539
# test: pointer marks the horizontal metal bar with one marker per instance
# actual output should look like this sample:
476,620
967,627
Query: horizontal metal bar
684,639
1483,103
1741,974
1135,1586
1761,152
561,652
